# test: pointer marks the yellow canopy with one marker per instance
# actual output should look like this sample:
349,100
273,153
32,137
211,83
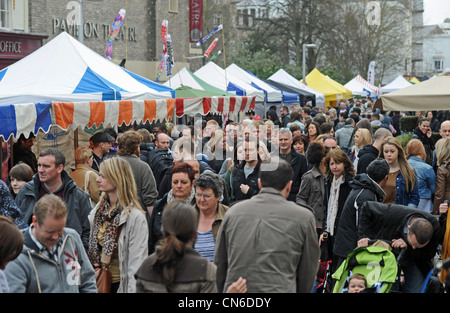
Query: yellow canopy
332,90
414,80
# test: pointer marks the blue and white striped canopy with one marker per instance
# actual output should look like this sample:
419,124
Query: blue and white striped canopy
66,70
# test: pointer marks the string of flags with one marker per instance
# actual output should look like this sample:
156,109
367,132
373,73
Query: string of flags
213,44
167,59
113,31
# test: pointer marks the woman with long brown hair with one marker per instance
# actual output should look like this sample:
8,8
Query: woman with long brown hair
401,187
339,171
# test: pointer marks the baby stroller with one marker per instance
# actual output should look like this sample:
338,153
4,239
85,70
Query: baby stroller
376,263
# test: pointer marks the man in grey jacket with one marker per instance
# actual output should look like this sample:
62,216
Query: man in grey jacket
268,240
53,179
53,259
344,135
129,150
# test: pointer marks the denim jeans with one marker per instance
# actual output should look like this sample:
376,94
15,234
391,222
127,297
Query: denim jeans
414,278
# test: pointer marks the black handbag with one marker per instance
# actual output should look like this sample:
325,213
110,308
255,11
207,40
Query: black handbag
325,248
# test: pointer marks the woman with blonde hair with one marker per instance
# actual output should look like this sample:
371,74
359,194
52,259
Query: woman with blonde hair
401,187
119,230
84,175
362,138
426,178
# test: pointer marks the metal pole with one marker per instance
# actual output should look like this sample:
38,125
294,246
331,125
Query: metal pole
306,45
304,61
80,23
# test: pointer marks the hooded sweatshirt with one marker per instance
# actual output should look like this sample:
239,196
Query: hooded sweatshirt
366,155
33,271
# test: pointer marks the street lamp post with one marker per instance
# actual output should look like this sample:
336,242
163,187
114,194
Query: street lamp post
306,45
80,23
80,20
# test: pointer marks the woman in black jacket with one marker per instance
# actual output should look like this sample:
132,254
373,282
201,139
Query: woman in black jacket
339,172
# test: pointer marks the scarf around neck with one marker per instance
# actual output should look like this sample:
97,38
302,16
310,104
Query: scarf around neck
333,203
111,216
189,199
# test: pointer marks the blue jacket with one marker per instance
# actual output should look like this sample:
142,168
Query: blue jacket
426,178
401,197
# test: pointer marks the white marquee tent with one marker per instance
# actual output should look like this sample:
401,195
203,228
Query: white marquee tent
398,83
361,87
284,77
272,94
219,78
66,70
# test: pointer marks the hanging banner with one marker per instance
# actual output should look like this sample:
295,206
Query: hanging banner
113,31
164,26
195,20
211,47
371,73
162,64
215,30
169,59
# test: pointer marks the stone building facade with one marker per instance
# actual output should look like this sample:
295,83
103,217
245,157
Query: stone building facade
139,41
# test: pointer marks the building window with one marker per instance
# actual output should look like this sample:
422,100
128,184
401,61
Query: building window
173,6
438,65
5,14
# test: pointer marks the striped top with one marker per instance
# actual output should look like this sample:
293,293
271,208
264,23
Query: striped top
205,245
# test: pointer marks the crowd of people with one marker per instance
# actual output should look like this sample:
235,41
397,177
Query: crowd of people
216,205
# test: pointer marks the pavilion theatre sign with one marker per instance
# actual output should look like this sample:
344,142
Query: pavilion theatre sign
93,30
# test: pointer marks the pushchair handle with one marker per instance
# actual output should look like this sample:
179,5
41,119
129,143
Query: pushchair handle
400,254
372,241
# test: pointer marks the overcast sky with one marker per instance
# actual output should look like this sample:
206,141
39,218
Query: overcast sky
435,11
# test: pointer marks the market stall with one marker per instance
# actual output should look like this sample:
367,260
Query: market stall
398,83
221,79
361,87
66,70
332,90
185,78
283,77
432,94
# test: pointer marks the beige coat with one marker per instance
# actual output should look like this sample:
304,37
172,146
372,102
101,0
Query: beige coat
79,177
442,186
